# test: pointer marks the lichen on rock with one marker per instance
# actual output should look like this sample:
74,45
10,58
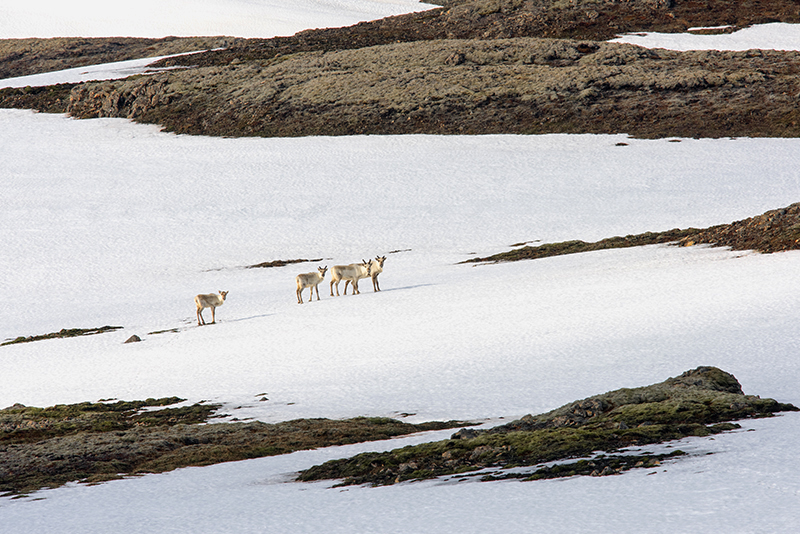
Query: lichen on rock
699,402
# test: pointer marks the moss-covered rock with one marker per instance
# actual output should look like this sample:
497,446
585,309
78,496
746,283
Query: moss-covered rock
692,404
23,424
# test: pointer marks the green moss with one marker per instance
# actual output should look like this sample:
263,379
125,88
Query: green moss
506,450
679,407
93,442
29,424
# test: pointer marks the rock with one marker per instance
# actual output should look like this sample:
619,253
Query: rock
682,406
456,58
133,339
407,467
465,433
482,451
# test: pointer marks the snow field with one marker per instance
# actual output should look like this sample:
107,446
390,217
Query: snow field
120,224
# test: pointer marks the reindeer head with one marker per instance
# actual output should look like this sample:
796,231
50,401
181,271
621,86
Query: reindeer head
223,294
322,271
380,260
368,265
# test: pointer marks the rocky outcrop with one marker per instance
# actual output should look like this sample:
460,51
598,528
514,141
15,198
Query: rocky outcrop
774,231
22,57
697,403
506,19
471,67
130,99
625,407
467,87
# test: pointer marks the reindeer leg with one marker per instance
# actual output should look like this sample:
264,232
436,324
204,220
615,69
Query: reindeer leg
213,315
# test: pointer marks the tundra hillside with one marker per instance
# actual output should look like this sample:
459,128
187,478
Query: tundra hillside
474,67
22,57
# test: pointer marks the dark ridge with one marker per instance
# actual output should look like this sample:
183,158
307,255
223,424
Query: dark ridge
504,19
279,263
774,231
63,333
22,57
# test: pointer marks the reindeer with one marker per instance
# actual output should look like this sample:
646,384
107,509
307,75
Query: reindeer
351,274
310,280
376,268
212,301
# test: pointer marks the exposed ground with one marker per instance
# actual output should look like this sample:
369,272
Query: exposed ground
22,57
64,332
774,231
700,402
524,86
280,263
474,67
93,442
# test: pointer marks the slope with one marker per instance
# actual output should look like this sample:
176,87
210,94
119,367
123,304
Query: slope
470,68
